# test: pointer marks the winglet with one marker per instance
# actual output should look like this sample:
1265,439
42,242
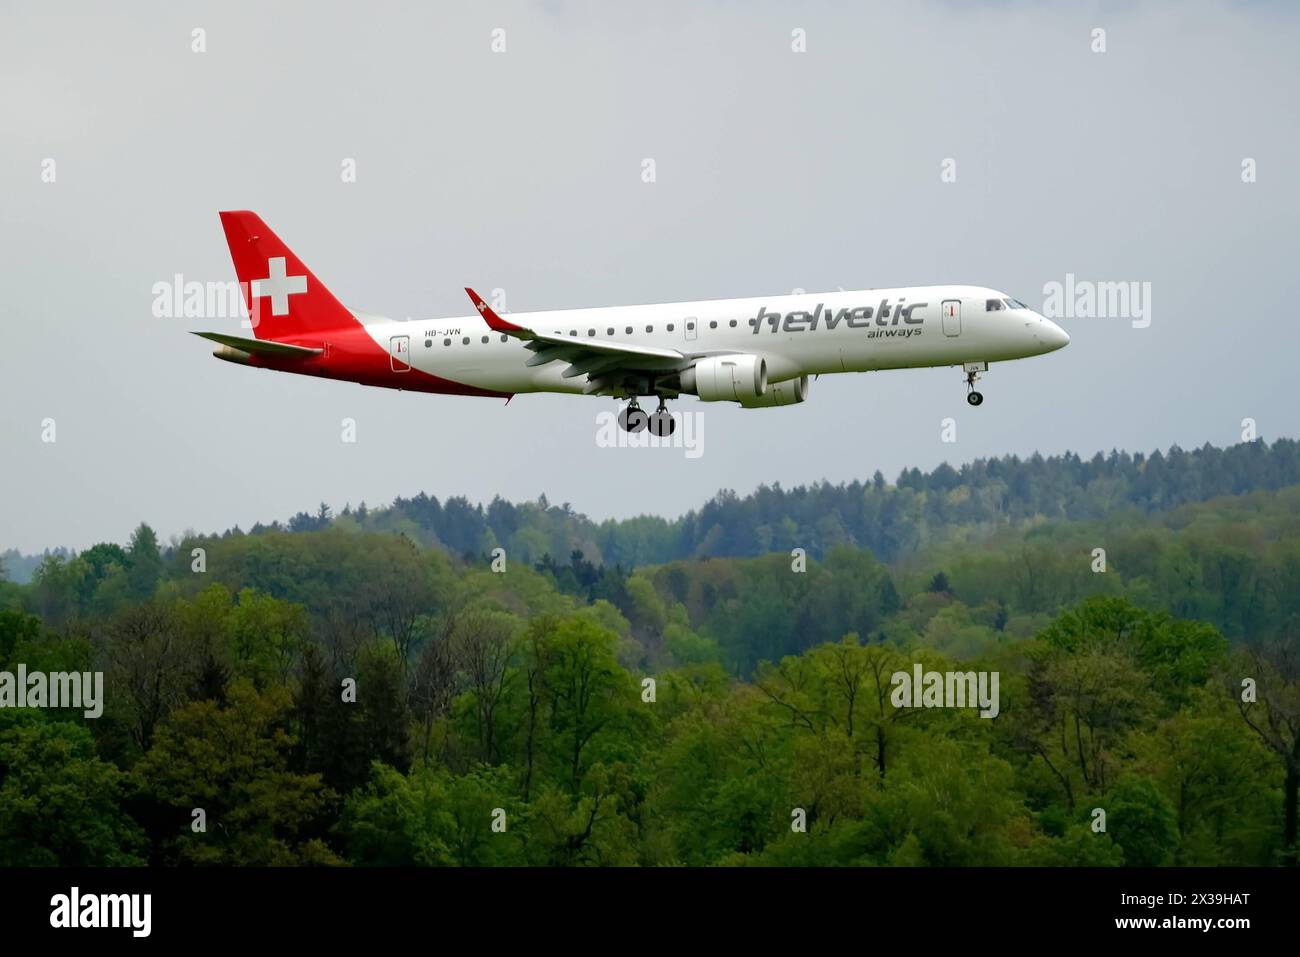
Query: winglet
495,322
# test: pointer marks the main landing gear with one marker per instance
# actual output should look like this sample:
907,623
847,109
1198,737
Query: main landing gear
661,423
972,396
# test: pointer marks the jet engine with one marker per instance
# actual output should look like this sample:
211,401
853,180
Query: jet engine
789,392
731,378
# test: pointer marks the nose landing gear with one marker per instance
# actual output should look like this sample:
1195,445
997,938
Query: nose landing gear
972,396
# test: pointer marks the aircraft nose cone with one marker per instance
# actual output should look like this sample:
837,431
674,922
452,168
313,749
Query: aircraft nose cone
1051,335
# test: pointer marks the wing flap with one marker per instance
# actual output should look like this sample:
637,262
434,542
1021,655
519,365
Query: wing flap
594,366
607,348
543,356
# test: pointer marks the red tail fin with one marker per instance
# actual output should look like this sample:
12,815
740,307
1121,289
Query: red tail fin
285,300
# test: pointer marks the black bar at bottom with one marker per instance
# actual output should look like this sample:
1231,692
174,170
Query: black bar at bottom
545,907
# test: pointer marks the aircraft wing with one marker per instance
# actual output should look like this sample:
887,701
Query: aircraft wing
595,358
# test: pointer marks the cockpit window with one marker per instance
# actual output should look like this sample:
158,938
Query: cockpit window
992,305
1016,304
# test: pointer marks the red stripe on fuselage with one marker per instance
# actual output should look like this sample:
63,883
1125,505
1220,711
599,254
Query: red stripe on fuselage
352,356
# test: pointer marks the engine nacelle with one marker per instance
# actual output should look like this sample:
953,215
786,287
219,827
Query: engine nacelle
741,378
790,392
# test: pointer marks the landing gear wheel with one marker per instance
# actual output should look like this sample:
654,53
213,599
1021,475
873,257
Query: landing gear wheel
662,423
632,419
973,397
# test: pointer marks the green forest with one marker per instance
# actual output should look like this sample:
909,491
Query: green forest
442,683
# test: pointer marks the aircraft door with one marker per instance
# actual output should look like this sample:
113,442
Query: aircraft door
399,353
952,317
691,325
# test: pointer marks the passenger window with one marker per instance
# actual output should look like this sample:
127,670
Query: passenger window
670,327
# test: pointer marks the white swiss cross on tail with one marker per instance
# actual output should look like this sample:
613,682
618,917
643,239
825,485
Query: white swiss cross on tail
278,286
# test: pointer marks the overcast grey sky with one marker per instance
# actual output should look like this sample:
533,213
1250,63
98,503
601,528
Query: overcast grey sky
522,170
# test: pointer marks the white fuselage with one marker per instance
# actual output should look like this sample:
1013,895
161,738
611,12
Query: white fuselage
806,334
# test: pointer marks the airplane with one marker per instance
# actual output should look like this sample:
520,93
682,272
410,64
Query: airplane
757,352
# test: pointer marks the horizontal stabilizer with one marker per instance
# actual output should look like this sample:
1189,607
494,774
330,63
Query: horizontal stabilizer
264,347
